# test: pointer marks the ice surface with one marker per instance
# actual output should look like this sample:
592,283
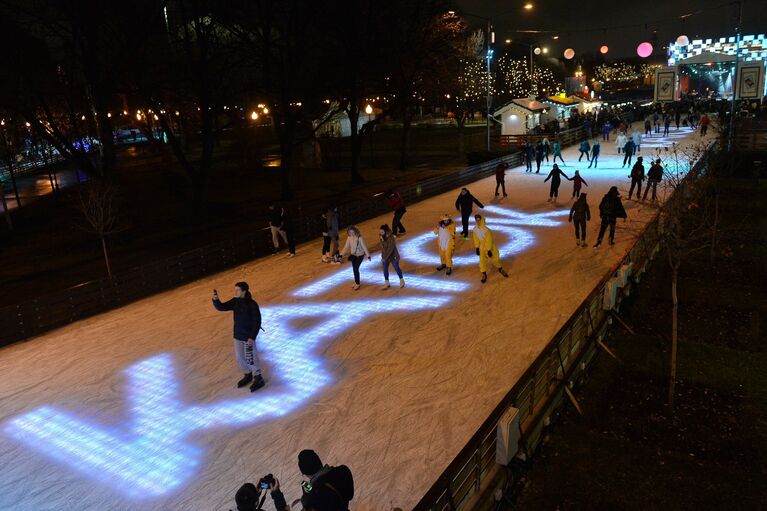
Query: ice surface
137,408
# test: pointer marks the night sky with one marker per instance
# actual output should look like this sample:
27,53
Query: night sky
569,18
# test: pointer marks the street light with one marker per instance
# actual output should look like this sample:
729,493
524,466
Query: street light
528,6
254,115
368,109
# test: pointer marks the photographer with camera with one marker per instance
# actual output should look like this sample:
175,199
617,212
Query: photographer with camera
249,497
329,488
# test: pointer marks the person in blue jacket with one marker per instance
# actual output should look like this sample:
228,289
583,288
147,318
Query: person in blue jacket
247,323
595,150
584,149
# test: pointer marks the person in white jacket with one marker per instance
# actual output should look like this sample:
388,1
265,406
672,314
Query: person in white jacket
357,250
637,137
620,141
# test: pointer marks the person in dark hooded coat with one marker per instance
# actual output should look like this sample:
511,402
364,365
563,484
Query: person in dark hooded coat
610,209
465,204
579,215
555,182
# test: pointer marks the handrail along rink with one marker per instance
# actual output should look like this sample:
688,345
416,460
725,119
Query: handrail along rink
541,389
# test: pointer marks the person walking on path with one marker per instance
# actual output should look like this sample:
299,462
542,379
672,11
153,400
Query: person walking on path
637,138
556,150
654,176
610,209
595,150
546,148
620,141
247,323
584,148
398,205
579,215
445,232
280,226
577,182
486,249
357,250
704,122
465,204
666,124
647,127
628,151
500,177
637,176
389,255
538,157
330,236
606,129
656,122
555,182
529,154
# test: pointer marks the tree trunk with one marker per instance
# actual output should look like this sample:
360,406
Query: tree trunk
405,142
286,167
353,112
674,333
13,182
6,213
461,137
106,256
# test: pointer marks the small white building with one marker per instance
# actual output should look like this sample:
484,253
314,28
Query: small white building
338,125
559,107
518,116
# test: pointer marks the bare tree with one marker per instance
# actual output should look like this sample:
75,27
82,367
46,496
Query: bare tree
97,203
6,212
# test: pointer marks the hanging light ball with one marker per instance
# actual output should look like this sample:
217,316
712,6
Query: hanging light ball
569,53
604,49
537,51
644,49
682,40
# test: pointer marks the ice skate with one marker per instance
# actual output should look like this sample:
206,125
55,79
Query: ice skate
577,243
325,259
401,283
597,244
258,382
356,287
583,243
441,267
612,242
245,380
505,194
291,254
503,272
449,271
386,285
484,277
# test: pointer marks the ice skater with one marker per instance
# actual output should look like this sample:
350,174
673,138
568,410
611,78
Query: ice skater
330,236
556,150
247,323
357,250
500,177
647,127
465,204
389,255
620,141
584,149
577,182
666,124
280,226
654,176
398,205
704,123
579,215
546,148
555,182
628,151
636,137
538,157
529,155
637,176
445,232
610,209
486,249
606,128
595,150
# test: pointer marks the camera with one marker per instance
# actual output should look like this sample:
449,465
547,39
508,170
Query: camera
266,482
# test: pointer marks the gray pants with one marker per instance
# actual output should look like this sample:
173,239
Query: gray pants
246,356
275,238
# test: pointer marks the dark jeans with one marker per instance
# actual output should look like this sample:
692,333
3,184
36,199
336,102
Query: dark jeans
326,241
554,190
576,191
594,159
528,165
665,130
703,129
395,264
502,184
580,229
538,165
638,184
627,157
651,183
558,156
584,153
606,136
605,222
465,222
356,262
396,223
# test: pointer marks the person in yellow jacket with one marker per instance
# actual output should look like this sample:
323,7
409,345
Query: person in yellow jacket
486,249
445,232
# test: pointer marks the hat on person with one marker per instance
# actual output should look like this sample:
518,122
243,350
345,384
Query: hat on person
246,497
309,462
445,218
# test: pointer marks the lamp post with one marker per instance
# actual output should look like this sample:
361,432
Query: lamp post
731,130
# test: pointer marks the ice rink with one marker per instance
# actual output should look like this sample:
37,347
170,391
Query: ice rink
137,408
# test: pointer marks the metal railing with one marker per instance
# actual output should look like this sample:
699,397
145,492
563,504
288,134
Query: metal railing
540,389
